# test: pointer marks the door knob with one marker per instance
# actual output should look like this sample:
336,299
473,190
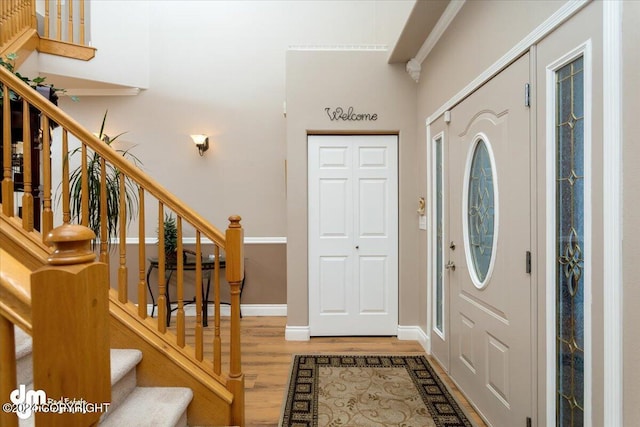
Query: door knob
450,266
358,247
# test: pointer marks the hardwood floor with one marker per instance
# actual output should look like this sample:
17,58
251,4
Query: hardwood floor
267,356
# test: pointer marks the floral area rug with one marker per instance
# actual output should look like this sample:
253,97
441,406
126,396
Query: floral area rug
371,391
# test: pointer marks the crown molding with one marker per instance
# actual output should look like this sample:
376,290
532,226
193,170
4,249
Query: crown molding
340,47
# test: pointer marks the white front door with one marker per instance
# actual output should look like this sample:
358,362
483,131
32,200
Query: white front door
353,234
490,304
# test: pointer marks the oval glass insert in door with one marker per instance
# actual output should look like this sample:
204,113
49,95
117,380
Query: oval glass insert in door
481,214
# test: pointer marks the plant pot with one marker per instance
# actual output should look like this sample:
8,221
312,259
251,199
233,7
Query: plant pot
172,257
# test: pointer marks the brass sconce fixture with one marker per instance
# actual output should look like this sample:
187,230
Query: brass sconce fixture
202,142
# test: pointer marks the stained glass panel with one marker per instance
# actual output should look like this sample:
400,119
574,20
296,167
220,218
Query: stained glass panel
570,244
480,211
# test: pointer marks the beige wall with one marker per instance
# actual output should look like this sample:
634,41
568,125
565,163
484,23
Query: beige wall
631,211
363,80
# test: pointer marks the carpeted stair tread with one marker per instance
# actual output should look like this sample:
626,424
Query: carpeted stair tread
152,407
23,343
122,361
130,405
24,361
123,375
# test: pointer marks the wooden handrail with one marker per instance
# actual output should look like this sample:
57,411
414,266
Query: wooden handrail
15,292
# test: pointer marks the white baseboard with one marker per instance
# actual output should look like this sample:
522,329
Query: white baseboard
225,310
264,309
415,333
297,333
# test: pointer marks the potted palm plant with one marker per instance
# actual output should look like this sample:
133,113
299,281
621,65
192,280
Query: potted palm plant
94,190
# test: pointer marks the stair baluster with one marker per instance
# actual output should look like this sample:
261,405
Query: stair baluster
198,328
180,291
47,212
235,274
162,298
27,197
142,259
7,180
123,288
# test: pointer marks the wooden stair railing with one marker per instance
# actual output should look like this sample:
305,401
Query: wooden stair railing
64,32
225,370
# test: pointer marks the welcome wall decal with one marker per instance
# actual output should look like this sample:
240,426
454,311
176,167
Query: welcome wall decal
348,115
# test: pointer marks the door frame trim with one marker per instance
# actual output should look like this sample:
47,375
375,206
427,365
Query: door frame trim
297,333
612,214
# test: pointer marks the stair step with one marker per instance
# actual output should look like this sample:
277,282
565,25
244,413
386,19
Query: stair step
24,360
130,405
152,407
123,375
23,342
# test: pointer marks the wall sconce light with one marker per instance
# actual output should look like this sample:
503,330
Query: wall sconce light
202,142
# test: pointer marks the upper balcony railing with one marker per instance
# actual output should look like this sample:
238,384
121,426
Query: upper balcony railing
60,28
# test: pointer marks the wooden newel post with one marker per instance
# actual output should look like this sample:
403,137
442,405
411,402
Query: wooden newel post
235,273
70,317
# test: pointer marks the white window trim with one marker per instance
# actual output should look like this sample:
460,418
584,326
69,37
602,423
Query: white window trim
480,284
434,239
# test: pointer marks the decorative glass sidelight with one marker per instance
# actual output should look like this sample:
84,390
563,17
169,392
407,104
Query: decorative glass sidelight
481,211
439,237
570,244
